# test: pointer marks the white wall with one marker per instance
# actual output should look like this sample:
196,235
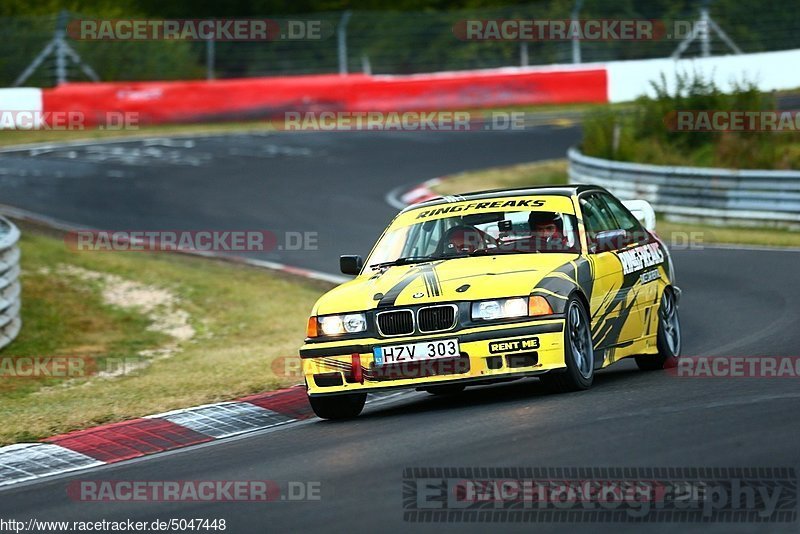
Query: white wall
19,99
770,70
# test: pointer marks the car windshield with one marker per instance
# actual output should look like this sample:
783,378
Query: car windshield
490,233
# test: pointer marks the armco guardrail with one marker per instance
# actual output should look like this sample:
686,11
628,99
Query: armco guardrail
740,197
10,321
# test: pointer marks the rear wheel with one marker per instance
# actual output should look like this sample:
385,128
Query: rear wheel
668,338
578,352
338,406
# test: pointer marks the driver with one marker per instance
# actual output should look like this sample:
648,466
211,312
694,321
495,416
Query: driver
463,238
547,228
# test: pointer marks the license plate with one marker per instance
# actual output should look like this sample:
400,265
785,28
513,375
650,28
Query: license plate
414,352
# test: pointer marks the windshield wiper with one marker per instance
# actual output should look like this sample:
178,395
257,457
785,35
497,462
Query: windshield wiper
402,261
493,251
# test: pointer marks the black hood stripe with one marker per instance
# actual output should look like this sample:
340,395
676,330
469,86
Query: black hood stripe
433,278
426,270
390,296
428,289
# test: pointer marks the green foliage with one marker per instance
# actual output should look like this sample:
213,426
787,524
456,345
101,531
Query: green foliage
397,37
23,38
645,131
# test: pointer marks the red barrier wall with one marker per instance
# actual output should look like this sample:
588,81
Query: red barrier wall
250,98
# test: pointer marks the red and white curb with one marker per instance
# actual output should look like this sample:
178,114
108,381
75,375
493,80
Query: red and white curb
150,435
153,434
403,197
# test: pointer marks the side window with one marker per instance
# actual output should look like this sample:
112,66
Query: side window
625,219
596,217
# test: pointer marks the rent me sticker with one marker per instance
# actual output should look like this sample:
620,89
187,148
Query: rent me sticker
514,346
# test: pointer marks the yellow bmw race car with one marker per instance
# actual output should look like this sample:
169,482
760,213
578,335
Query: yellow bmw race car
552,282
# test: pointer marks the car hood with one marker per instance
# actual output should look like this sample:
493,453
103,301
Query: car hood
470,278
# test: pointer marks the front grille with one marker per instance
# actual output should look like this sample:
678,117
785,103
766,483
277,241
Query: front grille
396,323
436,318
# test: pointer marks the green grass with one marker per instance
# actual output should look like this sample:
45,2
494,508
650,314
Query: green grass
678,232
554,172
244,318
522,175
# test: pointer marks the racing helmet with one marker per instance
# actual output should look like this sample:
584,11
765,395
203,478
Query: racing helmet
538,218
462,239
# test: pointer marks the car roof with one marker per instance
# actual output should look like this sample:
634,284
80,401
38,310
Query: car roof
559,190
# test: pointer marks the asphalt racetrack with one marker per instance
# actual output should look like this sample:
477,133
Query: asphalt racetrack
735,303
331,185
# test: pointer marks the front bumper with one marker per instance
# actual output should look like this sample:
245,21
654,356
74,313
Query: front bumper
487,353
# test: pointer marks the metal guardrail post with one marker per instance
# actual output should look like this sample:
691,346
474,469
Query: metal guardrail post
342,41
576,42
10,290
210,58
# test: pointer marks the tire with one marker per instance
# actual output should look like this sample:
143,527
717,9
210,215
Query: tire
578,352
338,406
668,338
450,389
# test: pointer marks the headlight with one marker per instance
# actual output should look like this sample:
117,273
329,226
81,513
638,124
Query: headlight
490,310
351,323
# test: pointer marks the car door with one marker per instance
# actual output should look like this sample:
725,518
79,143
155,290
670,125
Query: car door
644,290
612,302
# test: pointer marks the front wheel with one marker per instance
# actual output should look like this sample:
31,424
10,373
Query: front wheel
578,352
668,338
338,406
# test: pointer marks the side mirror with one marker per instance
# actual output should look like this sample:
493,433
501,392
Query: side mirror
643,211
610,240
351,264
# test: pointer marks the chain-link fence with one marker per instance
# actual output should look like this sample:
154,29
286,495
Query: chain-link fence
386,42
